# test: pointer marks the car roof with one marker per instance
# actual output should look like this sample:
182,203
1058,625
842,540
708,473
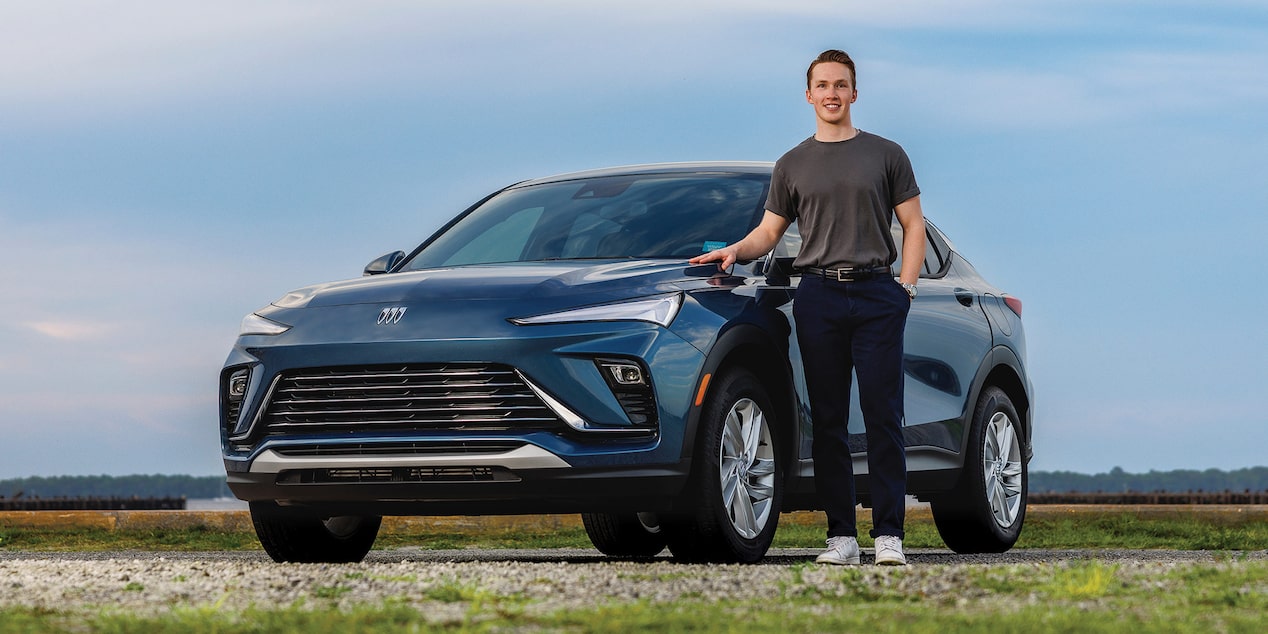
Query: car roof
701,167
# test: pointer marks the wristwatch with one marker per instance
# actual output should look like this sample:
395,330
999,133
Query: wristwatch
910,288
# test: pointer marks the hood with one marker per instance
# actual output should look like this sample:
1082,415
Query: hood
599,279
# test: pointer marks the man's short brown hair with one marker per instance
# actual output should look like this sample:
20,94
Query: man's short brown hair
833,55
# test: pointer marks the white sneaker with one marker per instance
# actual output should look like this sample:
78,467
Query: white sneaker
842,551
889,551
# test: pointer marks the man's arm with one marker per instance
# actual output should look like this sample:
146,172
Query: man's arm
913,221
758,242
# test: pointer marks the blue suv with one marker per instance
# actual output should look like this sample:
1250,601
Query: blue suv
550,350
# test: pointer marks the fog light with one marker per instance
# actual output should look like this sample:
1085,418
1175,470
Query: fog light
632,386
238,384
626,373
233,393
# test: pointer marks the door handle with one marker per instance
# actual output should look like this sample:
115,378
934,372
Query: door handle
964,296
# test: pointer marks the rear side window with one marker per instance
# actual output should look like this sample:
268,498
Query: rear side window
935,251
789,244
933,255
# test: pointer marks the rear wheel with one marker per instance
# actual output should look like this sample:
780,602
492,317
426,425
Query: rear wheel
631,535
985,511
293,537
736,487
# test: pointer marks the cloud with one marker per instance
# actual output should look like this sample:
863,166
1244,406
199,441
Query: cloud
1160,418
1107,88
111,325
908,14
133,55
60,52
71,330
69,59
110,432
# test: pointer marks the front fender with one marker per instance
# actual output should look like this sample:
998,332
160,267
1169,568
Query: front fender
754,348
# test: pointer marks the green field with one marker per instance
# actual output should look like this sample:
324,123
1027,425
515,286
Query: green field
1228,595
1226,592
1179,530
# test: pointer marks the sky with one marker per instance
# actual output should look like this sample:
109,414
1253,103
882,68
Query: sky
168,167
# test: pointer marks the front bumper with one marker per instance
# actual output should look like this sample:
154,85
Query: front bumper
600,460
526,491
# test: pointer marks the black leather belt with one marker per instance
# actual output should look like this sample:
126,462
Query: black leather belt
851,274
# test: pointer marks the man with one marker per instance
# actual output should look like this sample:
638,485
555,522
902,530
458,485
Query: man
844,186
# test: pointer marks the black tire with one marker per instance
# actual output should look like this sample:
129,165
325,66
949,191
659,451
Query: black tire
626,535
290,537
704,527
985,511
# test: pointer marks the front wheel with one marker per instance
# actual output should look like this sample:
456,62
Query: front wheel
985,510
631,535
296,538
732,506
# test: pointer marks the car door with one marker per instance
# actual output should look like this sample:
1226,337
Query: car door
947,338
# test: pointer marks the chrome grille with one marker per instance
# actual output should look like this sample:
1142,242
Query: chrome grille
416,397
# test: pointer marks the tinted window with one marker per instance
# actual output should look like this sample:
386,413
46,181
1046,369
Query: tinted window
933,254
896,231
789,244
941,241
503,241
655,216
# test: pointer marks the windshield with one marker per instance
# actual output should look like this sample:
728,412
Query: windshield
646,216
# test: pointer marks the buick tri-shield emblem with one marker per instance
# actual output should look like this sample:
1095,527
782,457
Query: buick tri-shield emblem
393,315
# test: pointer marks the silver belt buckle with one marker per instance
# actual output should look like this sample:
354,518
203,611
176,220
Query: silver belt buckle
843,275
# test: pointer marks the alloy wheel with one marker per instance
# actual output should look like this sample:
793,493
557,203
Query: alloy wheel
746,466
342,526
1002,468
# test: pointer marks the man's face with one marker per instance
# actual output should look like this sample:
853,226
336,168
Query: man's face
831,91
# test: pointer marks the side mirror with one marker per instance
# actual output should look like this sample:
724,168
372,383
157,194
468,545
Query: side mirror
383,264
779,271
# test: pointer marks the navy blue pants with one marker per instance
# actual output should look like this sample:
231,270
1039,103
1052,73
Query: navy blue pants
855,325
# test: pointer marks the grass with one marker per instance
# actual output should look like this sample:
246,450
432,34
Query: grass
1229,594
506,538
1077,596
1101,529
1119,529
1107,529
97,539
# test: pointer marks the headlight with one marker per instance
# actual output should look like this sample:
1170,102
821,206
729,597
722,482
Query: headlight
660,309
254,324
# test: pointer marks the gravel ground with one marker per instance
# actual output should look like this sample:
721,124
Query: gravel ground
442,583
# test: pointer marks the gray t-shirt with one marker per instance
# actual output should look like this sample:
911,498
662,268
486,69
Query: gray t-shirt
842,196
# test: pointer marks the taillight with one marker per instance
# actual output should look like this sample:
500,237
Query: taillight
1014,304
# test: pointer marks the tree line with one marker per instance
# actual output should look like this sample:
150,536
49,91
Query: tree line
1253,479
104,486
